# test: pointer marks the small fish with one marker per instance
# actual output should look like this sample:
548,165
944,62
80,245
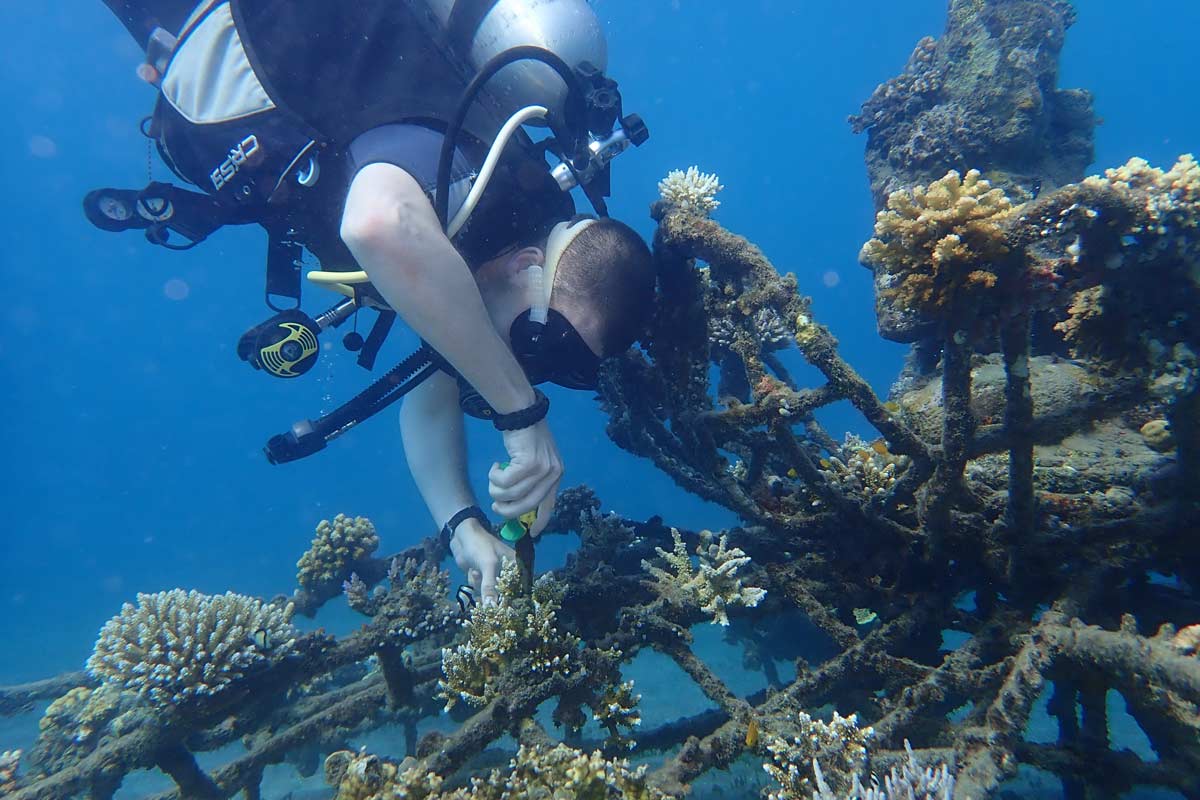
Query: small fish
466,599
825,463
752,734
262,639
791,473
880,446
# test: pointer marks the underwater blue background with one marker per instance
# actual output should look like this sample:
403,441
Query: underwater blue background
132,433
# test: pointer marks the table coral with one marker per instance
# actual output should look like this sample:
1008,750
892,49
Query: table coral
336,546
176,645
714,586
935,246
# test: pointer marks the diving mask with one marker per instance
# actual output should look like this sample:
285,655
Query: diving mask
545,343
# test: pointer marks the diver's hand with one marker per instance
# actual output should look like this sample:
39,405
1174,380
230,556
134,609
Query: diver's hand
479,555
531,478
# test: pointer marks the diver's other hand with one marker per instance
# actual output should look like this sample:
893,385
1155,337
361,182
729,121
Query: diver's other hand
479,555
531,478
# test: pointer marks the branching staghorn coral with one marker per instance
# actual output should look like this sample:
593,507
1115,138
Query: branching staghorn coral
537,772
840,745
691,192
714,587
497,633
906,781
418,599
336,547
176,646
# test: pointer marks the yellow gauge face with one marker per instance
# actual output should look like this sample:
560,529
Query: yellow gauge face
273,359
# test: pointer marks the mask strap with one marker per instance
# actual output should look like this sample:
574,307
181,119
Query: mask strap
561,237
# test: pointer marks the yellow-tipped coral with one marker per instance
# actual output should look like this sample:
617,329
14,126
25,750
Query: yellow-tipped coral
336,546
936,244
498,633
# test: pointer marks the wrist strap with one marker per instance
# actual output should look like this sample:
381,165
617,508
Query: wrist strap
525,417
470,512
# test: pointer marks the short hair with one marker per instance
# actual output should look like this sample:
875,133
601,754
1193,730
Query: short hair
609,271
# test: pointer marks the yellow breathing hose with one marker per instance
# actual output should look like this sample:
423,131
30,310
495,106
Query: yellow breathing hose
343,282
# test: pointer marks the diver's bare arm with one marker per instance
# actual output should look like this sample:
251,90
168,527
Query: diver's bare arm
393,232
435,446
431,425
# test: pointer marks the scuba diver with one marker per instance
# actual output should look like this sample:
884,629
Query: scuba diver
389,140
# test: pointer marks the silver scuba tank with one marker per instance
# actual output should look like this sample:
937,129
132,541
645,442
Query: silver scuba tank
477,30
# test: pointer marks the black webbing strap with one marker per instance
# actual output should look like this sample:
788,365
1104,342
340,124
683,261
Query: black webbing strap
284,263
379,331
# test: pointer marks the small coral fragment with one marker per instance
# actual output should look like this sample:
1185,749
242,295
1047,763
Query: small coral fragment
74,723
10,760
864,470
336,546
692,192
713,587
176,645
362,776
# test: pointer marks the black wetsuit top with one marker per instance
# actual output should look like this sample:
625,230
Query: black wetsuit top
338,71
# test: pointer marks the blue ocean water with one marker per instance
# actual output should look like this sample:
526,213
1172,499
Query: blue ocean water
132,432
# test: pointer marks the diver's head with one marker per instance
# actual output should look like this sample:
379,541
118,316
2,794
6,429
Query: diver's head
585,295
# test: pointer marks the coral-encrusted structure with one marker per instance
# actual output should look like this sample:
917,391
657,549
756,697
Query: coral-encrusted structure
1033,541
362,776
714,587
75,723
536,772
982,97
176,646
